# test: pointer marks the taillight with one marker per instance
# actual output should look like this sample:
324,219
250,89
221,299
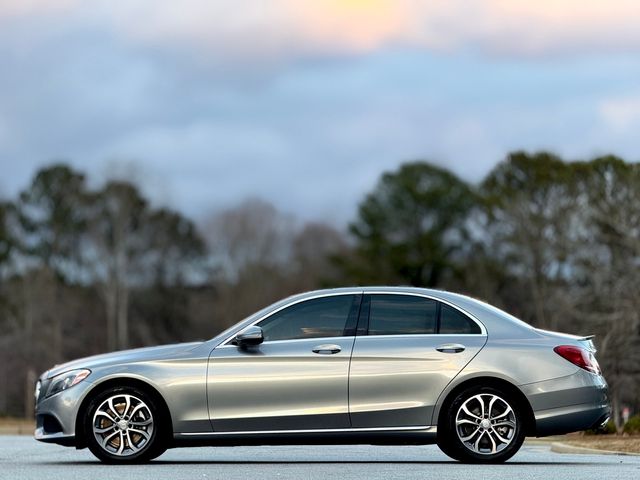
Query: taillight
581,357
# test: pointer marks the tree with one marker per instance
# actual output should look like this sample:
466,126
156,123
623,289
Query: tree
249,234
8,242
411,228
250,245
176,249
118,218
607,273
136,246
53,219
530,206
314,248
174,258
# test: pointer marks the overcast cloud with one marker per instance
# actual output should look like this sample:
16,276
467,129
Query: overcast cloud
306,103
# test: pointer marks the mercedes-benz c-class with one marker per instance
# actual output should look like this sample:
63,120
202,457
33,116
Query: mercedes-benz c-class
372,365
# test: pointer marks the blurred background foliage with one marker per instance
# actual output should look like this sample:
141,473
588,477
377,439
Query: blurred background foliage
87,270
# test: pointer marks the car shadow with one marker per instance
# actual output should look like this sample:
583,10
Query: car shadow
313,462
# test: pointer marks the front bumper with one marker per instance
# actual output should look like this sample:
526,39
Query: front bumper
568,404
56,415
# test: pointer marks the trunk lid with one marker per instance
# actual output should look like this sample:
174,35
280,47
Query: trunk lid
585,341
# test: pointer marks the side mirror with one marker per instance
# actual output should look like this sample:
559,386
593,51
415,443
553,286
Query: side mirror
250,336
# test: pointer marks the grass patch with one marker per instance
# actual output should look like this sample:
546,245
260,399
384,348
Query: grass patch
619,443
16,426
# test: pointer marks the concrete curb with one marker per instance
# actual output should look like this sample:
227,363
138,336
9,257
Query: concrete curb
559,447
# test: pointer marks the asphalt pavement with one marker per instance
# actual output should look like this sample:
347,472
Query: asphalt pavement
21,457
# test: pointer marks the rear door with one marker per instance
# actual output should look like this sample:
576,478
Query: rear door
407,349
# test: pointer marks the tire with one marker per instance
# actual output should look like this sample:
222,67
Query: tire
471,432
124,425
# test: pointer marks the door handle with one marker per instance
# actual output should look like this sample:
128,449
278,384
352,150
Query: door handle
450,348
329,349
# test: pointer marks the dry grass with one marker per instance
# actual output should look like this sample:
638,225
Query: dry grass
16,426
630,444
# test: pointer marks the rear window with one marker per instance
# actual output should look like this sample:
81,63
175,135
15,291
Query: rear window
453,322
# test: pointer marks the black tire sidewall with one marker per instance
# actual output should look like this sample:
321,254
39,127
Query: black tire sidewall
454,447
154,446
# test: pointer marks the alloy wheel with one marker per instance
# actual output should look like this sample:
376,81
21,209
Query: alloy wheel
123,425
486,424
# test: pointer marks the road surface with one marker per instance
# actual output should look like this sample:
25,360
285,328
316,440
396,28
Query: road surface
21,457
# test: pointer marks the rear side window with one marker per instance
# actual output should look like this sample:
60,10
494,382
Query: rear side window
402,315
454,322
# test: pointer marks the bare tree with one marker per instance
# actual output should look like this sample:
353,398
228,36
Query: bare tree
531,208
609,270
118,218
314,248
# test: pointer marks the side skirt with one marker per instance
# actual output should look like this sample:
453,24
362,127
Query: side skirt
418,435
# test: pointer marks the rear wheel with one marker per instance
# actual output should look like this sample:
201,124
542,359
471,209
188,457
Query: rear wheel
482,425
122,426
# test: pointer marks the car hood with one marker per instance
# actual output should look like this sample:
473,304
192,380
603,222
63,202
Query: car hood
123,356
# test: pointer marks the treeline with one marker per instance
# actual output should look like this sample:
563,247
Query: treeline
89,270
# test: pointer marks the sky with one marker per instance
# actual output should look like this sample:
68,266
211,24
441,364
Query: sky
306,103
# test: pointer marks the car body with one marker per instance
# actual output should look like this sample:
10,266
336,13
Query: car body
381,365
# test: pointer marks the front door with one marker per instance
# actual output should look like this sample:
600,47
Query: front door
297,379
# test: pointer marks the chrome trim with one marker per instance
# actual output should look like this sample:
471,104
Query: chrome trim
483,330
292,303
429,429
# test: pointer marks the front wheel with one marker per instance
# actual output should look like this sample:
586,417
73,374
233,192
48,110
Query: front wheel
482,425
122,426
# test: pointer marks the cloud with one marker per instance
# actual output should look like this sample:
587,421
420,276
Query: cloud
16,8
290,28
215,102
281,30
621,113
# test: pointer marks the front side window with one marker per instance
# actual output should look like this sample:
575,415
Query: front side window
402,315
315,318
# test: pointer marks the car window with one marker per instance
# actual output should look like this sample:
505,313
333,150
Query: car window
402,315
319,317
453,321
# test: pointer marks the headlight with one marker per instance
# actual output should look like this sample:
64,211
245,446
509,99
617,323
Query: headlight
36,393
66,380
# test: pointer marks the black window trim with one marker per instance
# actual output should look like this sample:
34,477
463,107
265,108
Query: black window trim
228,342
365,310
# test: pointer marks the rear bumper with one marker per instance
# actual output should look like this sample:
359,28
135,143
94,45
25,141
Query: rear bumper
568,404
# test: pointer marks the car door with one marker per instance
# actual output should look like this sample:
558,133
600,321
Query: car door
408,348
297,379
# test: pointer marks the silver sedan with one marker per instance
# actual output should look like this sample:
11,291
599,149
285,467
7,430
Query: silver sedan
375,365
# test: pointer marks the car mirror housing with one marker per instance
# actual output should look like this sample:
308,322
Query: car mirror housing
250,336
